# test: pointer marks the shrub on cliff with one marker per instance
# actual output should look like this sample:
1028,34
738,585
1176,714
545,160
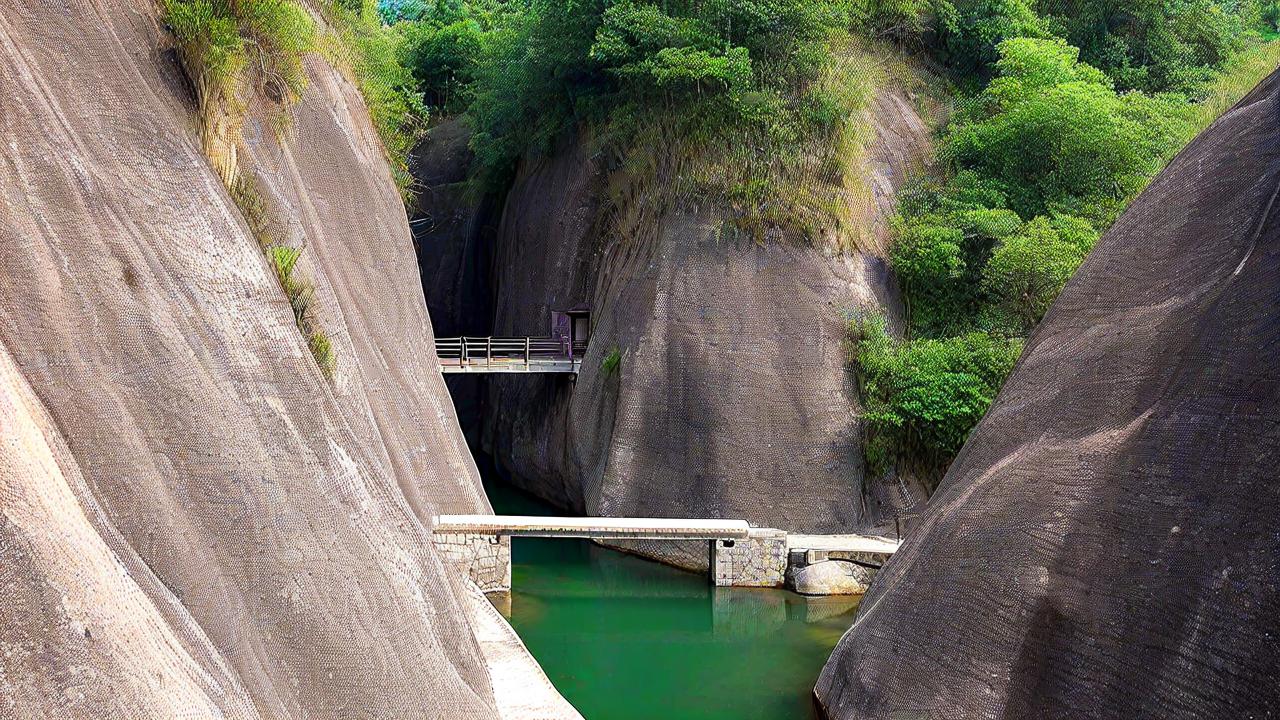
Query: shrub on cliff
1053,132
211,47
1037,165
1048,143
225,44
1029,268
922,397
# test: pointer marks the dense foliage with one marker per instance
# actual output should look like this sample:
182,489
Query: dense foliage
1064,110
1035,164
923,397
1172,45
527,71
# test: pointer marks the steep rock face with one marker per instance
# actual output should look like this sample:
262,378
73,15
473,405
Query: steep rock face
731,398
194,520
453,229
1106,544
453,232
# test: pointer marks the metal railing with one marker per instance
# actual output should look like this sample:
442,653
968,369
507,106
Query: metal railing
508,354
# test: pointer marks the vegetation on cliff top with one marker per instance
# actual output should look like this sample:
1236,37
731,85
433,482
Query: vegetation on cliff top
750,105
232,49
1035,164
1062,112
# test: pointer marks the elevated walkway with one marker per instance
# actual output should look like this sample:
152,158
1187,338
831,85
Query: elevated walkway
508,355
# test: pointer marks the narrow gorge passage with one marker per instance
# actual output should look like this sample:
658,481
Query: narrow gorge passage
626,638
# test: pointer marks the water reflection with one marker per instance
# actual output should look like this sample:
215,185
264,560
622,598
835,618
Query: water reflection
623,637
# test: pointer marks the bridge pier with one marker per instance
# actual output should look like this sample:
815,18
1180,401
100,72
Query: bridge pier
486,559
759,560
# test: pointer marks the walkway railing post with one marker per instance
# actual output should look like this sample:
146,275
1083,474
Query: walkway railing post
488,351
526,352
463,357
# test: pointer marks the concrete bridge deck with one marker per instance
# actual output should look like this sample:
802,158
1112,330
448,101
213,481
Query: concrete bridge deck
843,543
593,527
739,555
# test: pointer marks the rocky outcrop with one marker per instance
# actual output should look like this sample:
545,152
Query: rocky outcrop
731,397
194,520
830,577
1106,544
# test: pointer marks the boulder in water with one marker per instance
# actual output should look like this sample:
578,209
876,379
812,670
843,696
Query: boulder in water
832,577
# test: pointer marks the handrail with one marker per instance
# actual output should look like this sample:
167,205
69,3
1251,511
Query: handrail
509,354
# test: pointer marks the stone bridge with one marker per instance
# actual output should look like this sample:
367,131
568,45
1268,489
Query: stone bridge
740,555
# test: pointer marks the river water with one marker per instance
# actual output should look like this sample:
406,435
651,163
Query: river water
625,638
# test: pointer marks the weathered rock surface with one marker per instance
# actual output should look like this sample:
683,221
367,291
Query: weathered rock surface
731,398
1107,542
453,234
831,577
454,228
193,520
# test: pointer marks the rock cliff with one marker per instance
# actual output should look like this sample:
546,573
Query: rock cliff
194,520
1106,544
731,397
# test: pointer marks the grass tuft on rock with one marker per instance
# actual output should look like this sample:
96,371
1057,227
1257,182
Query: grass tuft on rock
230,48
302,296
611,362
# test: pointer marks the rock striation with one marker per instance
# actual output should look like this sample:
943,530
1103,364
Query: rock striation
1106,544
194,520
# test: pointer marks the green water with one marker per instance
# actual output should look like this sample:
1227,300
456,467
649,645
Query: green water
626,638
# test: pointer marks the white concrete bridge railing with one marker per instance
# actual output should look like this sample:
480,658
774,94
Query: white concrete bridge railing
593,527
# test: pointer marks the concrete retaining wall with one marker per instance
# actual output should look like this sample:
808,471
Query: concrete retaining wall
486,559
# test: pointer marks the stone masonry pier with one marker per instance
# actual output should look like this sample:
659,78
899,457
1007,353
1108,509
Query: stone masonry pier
740,555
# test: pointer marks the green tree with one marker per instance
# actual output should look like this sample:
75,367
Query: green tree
1054,133
1155,45
922,397
970,31
444,59
1029,268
